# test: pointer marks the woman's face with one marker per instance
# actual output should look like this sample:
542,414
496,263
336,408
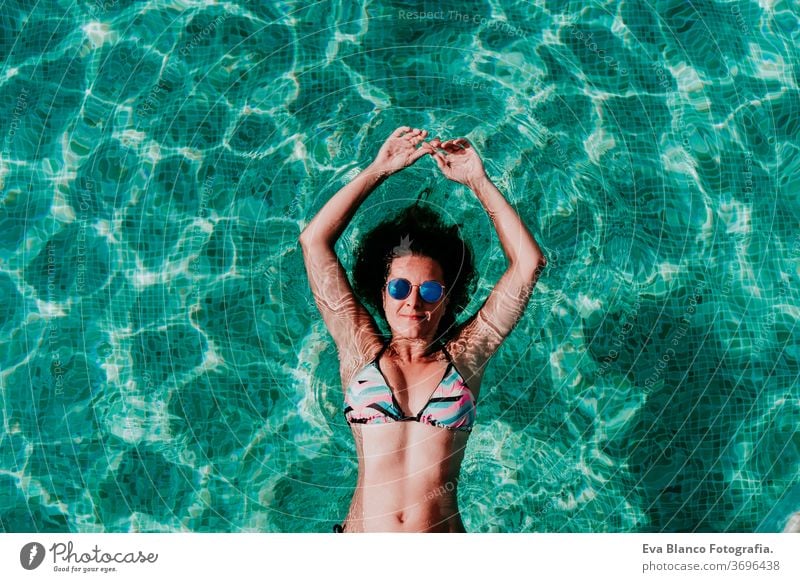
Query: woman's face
413,317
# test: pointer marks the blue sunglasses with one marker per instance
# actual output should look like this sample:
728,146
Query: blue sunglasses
430,291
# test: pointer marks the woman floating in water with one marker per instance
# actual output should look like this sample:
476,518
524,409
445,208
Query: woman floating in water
411,402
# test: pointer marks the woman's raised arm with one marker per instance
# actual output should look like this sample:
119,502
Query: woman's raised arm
480,336
352,327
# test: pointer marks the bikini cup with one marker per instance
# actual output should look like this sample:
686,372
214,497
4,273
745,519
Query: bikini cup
370,400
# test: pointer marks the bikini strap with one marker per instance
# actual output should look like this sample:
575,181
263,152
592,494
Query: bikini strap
446,353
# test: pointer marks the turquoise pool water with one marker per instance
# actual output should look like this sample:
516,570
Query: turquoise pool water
162,367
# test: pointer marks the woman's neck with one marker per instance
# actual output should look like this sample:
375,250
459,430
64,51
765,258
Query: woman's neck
412,349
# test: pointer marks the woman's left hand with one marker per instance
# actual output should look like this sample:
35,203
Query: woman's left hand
460,162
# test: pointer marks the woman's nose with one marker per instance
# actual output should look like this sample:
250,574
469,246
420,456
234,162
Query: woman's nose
413,298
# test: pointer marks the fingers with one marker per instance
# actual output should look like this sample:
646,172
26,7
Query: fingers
419,152
433,148
454,145
435,145
406,131
424,149
437,141
417,135
440,161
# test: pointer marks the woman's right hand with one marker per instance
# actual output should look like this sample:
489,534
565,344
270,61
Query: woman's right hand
400,150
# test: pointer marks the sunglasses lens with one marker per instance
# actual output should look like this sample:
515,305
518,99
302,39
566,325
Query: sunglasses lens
431,291
399,288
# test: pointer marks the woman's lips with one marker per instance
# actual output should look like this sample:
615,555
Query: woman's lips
415,317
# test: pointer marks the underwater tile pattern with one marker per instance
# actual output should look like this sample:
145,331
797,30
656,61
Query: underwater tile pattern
162,365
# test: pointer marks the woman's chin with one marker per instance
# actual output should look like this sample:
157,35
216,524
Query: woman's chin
411,331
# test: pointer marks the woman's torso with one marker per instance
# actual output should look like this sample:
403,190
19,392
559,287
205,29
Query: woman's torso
408,470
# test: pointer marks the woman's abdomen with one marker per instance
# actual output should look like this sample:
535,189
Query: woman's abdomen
407,498
408,479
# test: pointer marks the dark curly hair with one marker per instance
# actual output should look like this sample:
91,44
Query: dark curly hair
420,231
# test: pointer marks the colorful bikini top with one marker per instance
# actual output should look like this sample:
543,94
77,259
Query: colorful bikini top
370,400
